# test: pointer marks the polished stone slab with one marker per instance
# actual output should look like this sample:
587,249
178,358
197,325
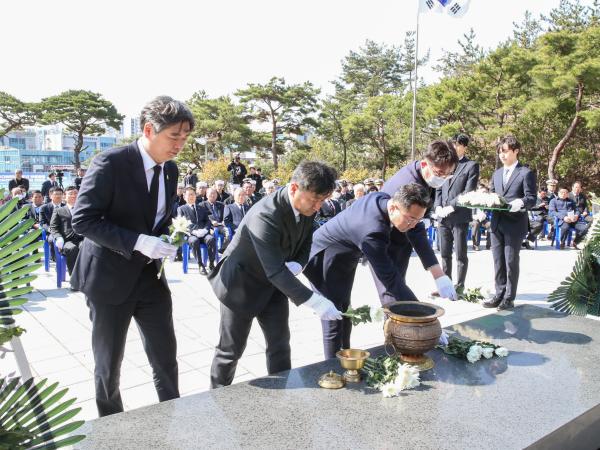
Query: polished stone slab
549,383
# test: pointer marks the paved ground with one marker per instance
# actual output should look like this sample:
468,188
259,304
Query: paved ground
58,342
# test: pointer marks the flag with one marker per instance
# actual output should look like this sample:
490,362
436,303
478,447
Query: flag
454,8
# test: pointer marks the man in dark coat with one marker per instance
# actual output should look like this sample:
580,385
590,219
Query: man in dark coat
363,231
200,228
123,208
237,169
565,210
436,167
61,228
47,185
18,180
454,220
236,211
516,183
257,273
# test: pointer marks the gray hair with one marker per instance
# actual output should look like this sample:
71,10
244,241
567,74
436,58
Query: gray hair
411,194
164,111
359,187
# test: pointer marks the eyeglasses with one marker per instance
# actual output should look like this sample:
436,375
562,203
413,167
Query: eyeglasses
438,172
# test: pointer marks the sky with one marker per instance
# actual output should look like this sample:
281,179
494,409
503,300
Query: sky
131,51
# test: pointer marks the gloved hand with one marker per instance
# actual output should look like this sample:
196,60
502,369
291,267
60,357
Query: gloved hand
154,247
294,267
445,287
439,211
426,222
443,339
200,232
447,210
481,216
60,243
516,205
323,307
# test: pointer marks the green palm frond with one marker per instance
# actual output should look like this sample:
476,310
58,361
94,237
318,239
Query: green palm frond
579,293
34,416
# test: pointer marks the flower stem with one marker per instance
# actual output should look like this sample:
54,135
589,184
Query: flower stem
162,266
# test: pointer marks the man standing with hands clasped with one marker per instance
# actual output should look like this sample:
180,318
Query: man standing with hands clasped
258,272
454,220
123,207
516,183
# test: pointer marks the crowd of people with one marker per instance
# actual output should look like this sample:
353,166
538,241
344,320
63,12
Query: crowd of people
109,227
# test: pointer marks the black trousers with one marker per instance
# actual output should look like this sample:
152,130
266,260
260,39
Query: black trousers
150,305
234,329
454,236
506,245
535,228
580,231
211,244
70,250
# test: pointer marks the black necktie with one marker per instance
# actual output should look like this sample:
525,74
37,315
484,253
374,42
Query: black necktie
242,208
154,192
196,212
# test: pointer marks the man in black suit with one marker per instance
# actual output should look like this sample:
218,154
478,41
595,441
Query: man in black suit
238,170
61,229
37,201
200,228
257,177
257,273
123,207
235,212
537,215
565,210
79,178
47,185
363,231
435,169
190,179
216,211
329,209
18,180
46,211
581,203
201,187
221,194
454,220
516,183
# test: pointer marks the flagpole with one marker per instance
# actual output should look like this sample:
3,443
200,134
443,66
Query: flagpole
414,105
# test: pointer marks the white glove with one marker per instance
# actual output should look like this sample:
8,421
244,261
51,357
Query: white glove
481,216
439,211
294,267
448,210
516,205
60,243
445,287
154,247
323,307
443,339
200,232
426,222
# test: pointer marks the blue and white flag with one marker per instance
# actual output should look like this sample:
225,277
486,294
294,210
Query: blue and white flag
454,8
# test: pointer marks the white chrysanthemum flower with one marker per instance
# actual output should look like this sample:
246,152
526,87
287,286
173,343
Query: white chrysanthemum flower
389,390
473,356
502,352
488,352
181,225
478,349
408,377
376,314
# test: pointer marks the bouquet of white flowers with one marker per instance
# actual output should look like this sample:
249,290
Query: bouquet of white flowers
482,200
180,231
472,350
390,376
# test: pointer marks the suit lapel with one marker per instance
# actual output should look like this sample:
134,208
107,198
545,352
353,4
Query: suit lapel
459,169
140,182
513,175
498,188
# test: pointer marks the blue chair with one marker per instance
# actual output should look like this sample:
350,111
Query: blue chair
556,238
61,267
185,251
46,251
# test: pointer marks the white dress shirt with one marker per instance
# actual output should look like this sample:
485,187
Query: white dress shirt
507,172
149,164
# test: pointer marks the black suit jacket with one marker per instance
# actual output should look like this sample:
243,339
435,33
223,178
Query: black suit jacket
521,184
112,210
46,211
233,215
464,179
253,271
328,211
15,183
216,212
61,226
198,215
46,186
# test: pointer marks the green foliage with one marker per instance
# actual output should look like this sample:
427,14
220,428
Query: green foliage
579,293
15,114
472,295
287,109
81,112
33,416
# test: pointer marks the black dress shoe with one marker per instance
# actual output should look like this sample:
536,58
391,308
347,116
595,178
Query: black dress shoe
203,271
493,302
506,304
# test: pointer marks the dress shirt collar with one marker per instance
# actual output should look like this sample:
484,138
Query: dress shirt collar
509,169
149,163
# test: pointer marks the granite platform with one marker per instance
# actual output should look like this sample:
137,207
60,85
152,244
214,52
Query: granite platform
545,394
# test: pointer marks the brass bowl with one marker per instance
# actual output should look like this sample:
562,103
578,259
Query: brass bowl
413,328
352,360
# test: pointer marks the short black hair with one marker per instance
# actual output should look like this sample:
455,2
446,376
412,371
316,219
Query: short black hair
511,142
54,189
461,139
36,192
315,177
164,111
412,194
71,188
189,188
440,154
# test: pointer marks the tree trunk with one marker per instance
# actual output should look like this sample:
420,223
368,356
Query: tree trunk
77,150
274,143
568,135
